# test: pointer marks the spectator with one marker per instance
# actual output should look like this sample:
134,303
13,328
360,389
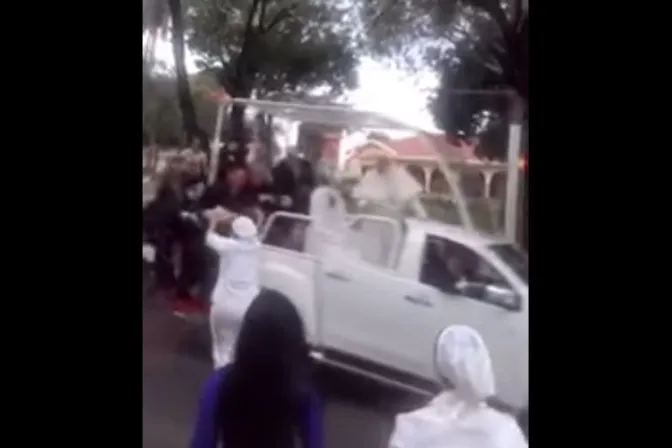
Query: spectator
460,416
237,281
233,191
264,398
162,222
192,256
293,178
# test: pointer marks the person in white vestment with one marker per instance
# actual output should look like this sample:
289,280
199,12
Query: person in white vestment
459,417
386,190
389,189
237,282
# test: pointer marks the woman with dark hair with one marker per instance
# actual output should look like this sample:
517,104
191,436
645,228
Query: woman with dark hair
264,398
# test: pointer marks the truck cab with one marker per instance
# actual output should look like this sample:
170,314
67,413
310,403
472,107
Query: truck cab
377,304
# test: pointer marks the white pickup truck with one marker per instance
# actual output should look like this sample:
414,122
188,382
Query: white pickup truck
377,306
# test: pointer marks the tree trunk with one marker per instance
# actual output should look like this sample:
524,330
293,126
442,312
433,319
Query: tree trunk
185,100
239,84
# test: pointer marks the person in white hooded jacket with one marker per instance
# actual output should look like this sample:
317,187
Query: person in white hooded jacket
329,227
237,282
459,417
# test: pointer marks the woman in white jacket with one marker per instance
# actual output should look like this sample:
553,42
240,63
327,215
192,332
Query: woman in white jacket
459,417
237,282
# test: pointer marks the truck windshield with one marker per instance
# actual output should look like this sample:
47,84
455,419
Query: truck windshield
514,258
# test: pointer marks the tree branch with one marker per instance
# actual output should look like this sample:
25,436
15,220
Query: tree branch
284,13
250,17
262,16
248,36
391,4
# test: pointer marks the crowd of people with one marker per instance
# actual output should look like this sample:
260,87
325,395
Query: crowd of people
185,268
261,392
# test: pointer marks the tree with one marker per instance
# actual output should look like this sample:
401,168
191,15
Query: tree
157,14
189,121
261,47
474,44
161,112
493,56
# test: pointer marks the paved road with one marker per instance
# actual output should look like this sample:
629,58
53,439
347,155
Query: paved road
175,362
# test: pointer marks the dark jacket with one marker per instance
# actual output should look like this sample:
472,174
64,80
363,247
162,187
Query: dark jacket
297,184
161,217
194,188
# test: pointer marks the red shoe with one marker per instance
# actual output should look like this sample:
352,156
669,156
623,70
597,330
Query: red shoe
189,305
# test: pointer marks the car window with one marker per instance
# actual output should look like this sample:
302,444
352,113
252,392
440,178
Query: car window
514,258
458,270
286,232
375,241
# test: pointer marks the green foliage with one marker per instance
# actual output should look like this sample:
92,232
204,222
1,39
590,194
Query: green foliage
277,46
407,31
474,44
162,123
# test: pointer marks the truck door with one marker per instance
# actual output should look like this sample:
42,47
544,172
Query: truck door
472,292
357,290
377,316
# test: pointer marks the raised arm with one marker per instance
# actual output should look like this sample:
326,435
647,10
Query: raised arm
218,243
213,240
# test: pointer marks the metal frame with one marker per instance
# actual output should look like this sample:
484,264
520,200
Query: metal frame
348,117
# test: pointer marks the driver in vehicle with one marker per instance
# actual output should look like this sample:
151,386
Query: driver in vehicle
456,271
443,269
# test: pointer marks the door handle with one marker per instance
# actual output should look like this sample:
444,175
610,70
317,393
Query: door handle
418,300
337,276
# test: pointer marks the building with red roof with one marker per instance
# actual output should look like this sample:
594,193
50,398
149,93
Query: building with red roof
478,177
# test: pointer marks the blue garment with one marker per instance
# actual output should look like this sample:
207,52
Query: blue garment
205,431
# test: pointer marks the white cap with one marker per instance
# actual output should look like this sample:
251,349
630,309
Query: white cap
244,228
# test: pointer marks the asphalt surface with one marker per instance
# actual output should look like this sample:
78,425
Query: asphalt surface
358,414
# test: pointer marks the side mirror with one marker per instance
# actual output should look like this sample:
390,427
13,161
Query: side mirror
501,295
471,289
